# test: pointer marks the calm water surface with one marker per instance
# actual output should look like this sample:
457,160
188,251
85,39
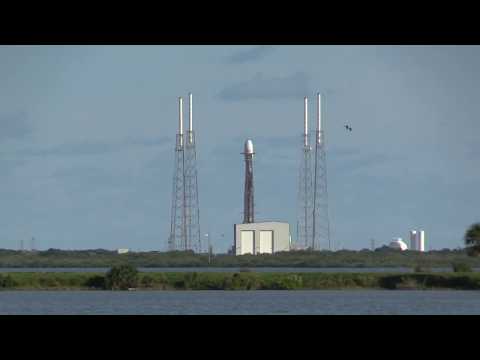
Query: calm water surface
241,302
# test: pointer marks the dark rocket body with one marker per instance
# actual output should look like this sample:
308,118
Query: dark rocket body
248,204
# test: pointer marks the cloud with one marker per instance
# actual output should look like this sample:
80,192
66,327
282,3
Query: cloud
95,147
14,126
252,54
263,88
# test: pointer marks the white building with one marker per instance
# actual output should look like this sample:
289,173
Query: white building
398,244
421,241
417,240
261,238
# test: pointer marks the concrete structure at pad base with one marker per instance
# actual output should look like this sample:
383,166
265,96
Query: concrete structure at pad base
261,238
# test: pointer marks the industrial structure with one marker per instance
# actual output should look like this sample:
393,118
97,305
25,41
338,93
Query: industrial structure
413,239
417,240
321,223
313,226
185,213
261,237
398,244
305,186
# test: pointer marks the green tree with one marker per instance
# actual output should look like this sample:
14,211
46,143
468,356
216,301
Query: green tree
472,240
121,277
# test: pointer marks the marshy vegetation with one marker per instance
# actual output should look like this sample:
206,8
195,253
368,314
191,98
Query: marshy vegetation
126,277
344,258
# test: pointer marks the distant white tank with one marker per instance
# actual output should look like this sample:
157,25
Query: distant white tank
421,240
398,244
413,240
248,147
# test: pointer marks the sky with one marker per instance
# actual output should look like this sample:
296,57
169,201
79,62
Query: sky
87,139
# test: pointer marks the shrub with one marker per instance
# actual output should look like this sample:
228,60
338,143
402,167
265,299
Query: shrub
47,281
289,282
147,281
7,282
179,284
121,277
461,267
421,269
96,282
408,283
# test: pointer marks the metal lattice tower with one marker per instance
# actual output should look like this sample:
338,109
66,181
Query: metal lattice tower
305,200
185,214
192,210
321,223
178,233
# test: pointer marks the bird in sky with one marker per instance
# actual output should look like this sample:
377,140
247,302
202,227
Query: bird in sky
348,128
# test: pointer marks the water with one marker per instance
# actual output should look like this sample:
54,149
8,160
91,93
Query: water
230,269
328,302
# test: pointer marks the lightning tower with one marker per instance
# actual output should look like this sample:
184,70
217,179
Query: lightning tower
192,211
305,203
178,228
185,214
321,224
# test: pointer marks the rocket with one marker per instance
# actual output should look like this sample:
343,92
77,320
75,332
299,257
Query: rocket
248,204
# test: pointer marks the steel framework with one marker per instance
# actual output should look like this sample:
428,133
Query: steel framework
192,209
185,213
321,223
305,203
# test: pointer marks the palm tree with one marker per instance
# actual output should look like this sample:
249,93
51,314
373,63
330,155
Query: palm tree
472,240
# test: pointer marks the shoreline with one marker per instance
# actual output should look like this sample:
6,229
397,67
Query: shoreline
232,281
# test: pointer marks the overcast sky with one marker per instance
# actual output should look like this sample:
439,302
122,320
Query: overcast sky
87,140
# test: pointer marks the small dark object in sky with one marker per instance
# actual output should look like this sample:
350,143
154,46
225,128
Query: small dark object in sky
348,128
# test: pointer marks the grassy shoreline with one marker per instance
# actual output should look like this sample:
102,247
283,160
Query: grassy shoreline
245,281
